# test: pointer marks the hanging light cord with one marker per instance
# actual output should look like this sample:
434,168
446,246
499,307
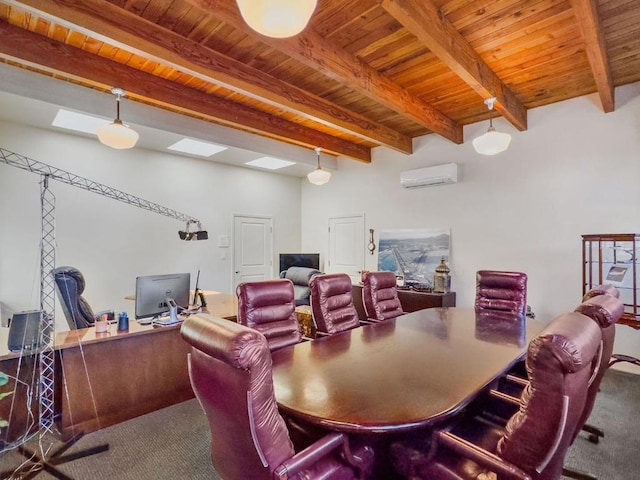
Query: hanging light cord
119,93
490,102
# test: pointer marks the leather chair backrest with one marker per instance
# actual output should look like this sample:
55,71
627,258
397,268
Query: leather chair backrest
230,371
380,295
332,303
497,290
560,363
269,308
69,286
300,276
605,310
603,289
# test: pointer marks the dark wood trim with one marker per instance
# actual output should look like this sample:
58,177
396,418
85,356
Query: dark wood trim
325,56
57,58
586,12
451,47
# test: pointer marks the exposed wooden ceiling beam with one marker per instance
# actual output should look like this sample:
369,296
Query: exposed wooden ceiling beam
73,63
133,33
586,12
424,20
324,56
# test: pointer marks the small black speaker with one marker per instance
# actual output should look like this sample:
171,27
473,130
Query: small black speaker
24,331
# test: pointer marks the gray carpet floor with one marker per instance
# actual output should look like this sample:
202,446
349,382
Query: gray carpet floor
173,443
617,412
169,444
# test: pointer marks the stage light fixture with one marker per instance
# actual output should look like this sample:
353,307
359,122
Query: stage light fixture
198,234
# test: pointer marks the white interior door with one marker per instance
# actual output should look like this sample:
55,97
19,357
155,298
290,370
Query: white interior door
252,249
346,245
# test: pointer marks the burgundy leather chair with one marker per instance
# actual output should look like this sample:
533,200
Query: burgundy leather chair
605,310
505,291
269,307
380,296
332,303
534,442
230,371
611,290
602,290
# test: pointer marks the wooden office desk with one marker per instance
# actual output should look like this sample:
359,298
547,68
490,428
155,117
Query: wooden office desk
127,374
223,305
400,374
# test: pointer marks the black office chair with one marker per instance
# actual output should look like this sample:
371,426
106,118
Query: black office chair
69,286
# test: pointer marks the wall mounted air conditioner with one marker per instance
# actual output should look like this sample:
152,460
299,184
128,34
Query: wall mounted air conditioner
429,176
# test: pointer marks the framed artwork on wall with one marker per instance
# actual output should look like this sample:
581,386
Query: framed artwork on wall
413,254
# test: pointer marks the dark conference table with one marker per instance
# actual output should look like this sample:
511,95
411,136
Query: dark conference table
400,374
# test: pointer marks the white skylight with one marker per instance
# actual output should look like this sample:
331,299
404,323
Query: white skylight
270,163
196,147
78,122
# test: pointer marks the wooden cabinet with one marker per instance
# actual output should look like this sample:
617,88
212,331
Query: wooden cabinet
613,259
410,300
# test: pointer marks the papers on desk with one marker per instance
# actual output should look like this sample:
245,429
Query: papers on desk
166,321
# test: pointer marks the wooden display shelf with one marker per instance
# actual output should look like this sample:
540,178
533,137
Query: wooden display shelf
612,258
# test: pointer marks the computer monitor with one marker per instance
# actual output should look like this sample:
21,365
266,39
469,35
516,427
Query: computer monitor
158,295
310,260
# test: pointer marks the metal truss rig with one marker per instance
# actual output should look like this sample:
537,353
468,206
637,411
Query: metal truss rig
63,176
47,261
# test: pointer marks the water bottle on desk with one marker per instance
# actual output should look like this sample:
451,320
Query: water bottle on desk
123,321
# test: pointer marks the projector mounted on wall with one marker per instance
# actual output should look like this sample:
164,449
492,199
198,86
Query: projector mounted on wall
430,176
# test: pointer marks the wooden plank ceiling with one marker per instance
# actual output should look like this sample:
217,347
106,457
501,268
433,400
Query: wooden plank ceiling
364,73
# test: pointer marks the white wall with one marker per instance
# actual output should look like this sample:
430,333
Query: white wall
574,171
111,242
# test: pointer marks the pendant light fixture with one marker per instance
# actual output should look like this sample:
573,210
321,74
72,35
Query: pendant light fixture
117,134
277,18
319,176
491,142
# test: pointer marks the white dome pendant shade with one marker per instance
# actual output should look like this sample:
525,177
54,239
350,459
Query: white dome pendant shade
277,18
319,176
117,134
491,142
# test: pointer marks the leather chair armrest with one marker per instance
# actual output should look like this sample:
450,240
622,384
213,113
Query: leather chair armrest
317,450
487,459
